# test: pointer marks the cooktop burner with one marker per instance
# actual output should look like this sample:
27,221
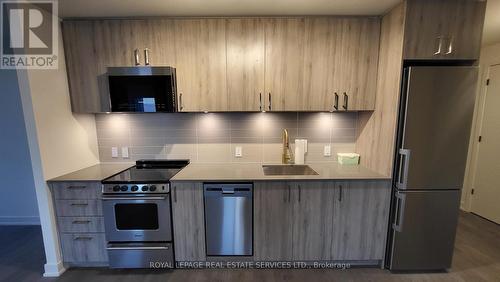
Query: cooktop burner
148,171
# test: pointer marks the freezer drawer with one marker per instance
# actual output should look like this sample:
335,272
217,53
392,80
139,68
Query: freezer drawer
424,230
228,219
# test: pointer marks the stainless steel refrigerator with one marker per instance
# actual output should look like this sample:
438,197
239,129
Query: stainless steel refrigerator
435,119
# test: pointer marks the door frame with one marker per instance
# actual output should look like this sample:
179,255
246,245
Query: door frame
472,156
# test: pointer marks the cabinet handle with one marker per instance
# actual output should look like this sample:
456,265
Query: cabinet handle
299,193
260,102
181,106
270,101
77,187
146,57
346,101
340,193
175,194
81,221
440,45
336,101
284,194
289,193
136,57
82,238
450,46
79,204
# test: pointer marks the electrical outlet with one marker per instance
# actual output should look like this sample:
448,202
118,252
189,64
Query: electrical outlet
114,152
238,152
327,151
125,152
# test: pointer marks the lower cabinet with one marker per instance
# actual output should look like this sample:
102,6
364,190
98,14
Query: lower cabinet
188,221
361,212
80,223
272,221
321,220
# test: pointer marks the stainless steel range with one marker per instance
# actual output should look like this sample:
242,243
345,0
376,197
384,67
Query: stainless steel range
138,222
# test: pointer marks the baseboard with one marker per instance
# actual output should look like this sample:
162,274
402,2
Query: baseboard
19,220
53,269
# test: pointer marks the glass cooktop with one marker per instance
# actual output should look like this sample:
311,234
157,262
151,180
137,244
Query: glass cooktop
147,172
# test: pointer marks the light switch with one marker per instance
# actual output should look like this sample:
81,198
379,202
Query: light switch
124,152
238,152
327,151
114,152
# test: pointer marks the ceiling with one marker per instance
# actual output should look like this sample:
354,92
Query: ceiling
492,23
135,8
138,8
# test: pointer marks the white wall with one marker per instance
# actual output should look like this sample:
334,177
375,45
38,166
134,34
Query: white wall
17,190
59,142
490,55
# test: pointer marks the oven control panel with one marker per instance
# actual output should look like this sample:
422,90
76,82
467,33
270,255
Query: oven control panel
127,188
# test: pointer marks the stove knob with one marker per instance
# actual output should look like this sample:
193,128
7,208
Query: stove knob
116,188
152,188
144,188
134,188
124,188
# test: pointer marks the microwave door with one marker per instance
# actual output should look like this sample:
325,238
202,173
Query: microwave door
435,128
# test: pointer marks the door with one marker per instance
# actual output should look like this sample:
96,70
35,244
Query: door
200,46
188,221
486,187
424,230
272,221
444,29
322,37
143,219
284,64
313,220
435,137
356,69
245,63
360,219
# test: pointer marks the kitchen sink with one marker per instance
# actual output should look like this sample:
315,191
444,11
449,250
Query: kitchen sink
288,170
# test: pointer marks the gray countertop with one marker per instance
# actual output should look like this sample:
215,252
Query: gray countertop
254,172
94,173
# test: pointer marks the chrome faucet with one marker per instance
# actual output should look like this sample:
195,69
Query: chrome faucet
286,156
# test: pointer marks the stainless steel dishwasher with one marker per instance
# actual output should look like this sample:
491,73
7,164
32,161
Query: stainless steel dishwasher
229,219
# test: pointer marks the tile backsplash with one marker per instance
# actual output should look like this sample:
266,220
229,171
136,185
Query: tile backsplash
212,137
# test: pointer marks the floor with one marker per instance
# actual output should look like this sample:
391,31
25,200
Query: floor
477,258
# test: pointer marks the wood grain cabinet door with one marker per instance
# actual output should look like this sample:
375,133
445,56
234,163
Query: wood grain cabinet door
245,63
356,65
188,221
85,66
321,49
284,68
443,29
200,47
313,220
360,220
466,30
272,221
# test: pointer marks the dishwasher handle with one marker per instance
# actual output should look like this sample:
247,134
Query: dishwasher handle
235,190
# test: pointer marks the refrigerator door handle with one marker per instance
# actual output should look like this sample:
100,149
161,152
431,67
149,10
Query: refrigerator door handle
404,165
400,212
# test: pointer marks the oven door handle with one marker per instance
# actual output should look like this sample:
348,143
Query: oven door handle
137,248
131,198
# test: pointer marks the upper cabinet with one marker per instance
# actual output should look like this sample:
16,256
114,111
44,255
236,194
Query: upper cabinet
245,63
284,64
232,64
200,48
443,29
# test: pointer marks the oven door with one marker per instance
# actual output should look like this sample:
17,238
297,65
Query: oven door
134,218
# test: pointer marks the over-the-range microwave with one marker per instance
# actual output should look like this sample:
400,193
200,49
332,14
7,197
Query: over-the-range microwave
142,89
